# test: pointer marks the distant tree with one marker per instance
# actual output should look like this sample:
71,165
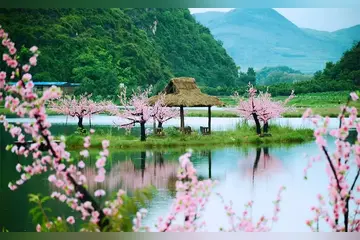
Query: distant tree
81,107
162,113
261,107
317,74
138,110
251,76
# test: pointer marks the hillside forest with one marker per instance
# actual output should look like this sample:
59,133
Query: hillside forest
102,48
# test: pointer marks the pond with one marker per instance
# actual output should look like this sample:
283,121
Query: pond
217,123
244,174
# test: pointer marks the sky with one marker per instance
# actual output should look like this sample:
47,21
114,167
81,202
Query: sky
323,19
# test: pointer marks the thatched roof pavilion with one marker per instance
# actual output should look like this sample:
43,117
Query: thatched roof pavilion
183,92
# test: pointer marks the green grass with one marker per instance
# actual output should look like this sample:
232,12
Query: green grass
244,134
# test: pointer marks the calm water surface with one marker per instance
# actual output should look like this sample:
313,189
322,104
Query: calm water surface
217,123
244,174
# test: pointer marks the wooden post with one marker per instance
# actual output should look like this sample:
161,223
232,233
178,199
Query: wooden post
209,119
209,158
182,122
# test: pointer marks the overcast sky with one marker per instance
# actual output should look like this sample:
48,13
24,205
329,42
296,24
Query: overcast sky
324,19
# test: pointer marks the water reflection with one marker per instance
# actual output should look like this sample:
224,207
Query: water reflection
261,165
244,174
153,170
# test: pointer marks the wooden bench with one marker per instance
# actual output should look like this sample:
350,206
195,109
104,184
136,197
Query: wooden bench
205,130
187,130
159,131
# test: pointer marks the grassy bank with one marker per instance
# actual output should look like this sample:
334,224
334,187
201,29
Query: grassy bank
242,135
296,113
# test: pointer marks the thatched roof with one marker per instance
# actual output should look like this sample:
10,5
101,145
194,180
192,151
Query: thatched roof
183,91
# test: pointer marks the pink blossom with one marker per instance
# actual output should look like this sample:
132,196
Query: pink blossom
2,75
29,85
354,96
18,167
26,68
52,178
81,164
26,77
12,186
99,193
38,228
105,143
70,220
6,57
101,162
62,198
33,49
12,63
61,167
82,178
88,205
84,153
12,51
92,131
320,141
33,61
59,183
307,113
19,182
107,211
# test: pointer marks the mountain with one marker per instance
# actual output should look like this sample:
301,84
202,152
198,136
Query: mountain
280,74
264,38
102,48
343,75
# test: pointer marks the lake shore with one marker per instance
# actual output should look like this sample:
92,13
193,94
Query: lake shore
224,113
242,135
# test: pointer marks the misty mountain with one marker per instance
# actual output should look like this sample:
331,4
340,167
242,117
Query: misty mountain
264,38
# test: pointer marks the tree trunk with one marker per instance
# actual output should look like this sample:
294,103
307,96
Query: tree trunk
266,127
160,125
142,132
182,122
209,119
257,123
80,123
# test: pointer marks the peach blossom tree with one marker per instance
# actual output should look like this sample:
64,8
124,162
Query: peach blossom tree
67,175
81,107
261,108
